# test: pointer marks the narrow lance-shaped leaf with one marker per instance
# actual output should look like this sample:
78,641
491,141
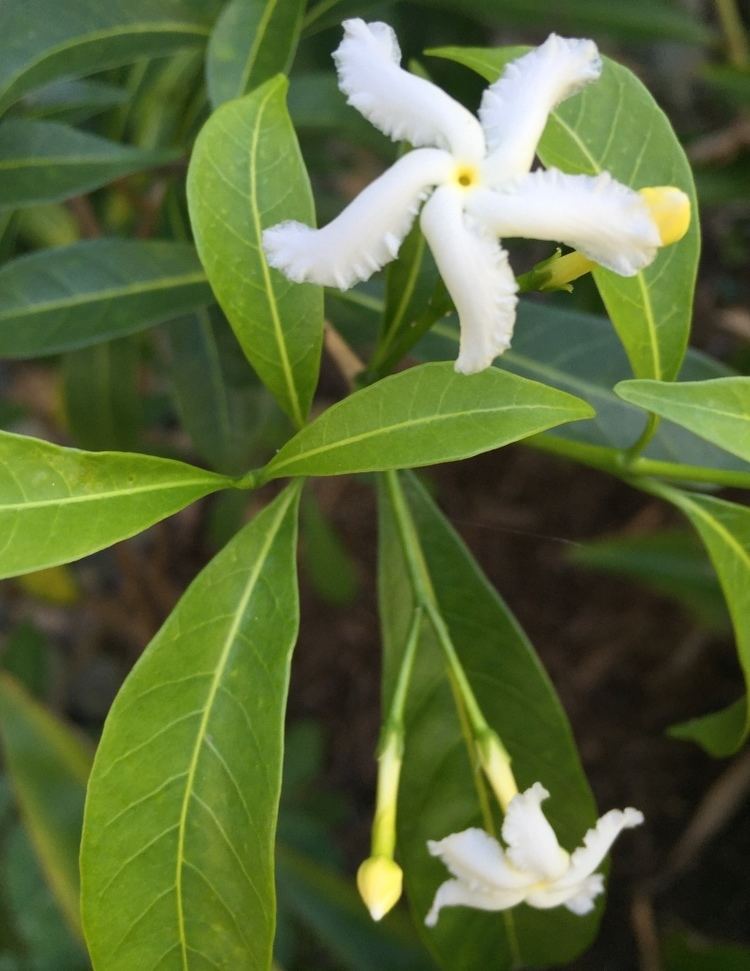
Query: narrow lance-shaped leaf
439,793
717,410
578,352
59,504
102,402
614,125
247,174
69,297
43,161
724,528
41,45
73,101
252,41
177,856
48,765
228,414
423,416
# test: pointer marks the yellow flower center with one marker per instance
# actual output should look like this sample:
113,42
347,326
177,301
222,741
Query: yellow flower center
466,176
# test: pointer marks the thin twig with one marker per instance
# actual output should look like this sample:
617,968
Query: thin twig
345,359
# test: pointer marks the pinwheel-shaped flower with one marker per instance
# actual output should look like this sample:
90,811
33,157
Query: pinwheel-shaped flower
483,187
534,869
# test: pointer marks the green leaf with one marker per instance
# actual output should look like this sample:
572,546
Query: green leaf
329,567
73,101
247,174
331,909
48,767
717,410
687,952
410,282
670,562
225,410
579,353
42,45
724,528
177,855
315,104
252,41
423,416
615,125
43,161
102,403
60,299
27,656
634,20
43,938
59,504
438,793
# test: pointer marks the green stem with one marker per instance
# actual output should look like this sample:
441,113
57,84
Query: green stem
425,597
614,462
316,12
391,750
650,429
395,719
738,49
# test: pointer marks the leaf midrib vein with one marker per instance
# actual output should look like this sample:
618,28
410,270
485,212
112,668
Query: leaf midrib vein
408,423
207,711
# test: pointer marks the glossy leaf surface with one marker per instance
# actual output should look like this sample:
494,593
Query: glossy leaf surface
717,410
61,299
43,161
48,765
247,174
102,402
59,504
423,416
579,353
177,857
614,125
41,45
438,792
73,101
252,41
724,528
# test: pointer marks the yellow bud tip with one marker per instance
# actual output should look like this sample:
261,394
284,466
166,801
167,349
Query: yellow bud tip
670,210
380,881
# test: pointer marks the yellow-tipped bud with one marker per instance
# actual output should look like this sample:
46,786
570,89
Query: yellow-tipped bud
380,881
670,210
495,762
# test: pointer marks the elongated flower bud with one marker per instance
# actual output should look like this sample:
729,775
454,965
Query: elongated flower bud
380,882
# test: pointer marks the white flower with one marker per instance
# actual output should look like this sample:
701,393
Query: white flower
483,188
533,868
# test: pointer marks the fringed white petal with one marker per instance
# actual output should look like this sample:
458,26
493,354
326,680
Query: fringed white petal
515,108
367,234
400,104
476,272
604,219
532,844
578,898
478,860
454,893
596,844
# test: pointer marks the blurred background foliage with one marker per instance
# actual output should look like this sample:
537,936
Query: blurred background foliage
180,387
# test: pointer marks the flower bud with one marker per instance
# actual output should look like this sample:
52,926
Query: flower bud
495,763
670,210
380,881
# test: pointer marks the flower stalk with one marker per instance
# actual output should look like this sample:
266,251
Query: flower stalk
379,878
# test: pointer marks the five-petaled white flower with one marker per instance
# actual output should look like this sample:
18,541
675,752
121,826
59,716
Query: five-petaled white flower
483,186
533,869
